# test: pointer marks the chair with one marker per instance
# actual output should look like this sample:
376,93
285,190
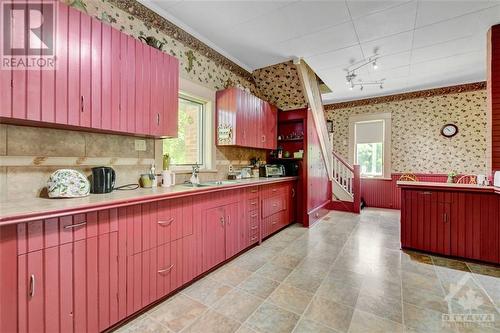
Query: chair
467,179
408,177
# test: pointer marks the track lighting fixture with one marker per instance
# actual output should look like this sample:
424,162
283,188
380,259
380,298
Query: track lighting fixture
352,75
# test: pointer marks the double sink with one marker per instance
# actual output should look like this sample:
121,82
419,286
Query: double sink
213,183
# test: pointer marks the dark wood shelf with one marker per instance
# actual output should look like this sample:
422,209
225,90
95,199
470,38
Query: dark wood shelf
289,140
286,159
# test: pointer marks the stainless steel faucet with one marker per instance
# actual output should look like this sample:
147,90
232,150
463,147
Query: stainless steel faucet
194,176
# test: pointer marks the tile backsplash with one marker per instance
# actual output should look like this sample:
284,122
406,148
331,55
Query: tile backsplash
17,182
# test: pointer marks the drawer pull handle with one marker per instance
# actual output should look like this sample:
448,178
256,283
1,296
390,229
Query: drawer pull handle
166,223
275,205
253,215
426,193
253,228
253,191
293,193
273,223
166,269
32,286
274,190
253,238
222,220
71,226
253,203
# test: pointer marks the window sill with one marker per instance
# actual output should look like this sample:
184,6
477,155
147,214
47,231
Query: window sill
375,178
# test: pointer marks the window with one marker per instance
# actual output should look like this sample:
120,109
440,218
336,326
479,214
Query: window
370,144
189,147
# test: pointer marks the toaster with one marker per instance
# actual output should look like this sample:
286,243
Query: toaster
496,179
271,170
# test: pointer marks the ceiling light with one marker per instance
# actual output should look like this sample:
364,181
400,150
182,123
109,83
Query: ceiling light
374,64
351,87
361,88
381,87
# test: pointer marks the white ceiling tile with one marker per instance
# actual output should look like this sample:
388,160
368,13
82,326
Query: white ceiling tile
487,18
389,45
446,49
335,59
441,32
430,12
329,39
202,14
387,22
361,8
394,60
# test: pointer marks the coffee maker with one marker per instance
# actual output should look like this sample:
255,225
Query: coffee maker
103,180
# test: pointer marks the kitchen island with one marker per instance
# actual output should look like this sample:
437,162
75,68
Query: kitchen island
88,264
459,220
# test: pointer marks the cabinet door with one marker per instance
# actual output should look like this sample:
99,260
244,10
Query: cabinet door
270,125
96,75
156,75
213,237
45,290
163,270
169,116
232,229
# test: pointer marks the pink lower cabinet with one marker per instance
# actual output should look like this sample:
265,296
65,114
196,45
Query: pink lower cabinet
221,233
69,288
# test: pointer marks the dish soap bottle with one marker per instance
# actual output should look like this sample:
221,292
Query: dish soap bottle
153,177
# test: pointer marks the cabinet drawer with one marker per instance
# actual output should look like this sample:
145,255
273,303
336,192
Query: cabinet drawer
252,191
253,218
273,205
252,204
43,234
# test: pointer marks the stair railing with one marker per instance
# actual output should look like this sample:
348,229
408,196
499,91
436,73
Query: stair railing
348,176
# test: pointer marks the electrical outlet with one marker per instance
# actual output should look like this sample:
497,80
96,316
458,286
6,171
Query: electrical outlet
231,169
140,145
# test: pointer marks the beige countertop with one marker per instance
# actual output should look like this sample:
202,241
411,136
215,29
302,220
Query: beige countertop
450,186
41,208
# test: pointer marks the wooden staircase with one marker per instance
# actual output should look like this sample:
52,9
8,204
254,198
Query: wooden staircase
346,185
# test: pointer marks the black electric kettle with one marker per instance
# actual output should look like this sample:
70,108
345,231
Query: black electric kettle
103,180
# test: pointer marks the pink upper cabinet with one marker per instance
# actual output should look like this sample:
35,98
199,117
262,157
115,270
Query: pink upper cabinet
245,120
104,80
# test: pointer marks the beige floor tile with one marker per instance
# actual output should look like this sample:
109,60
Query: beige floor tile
366,322
353,279
339,292
331,314
309,326
230,275
274,271
382,288
291,298
419,281
269,318
238,305
207,291
384,307
178,313
258,285
423,299
424,320
287,261
148,325
245,329
304,280
213,322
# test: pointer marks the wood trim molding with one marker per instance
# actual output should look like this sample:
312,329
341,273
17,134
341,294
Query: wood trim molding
411,95
155,20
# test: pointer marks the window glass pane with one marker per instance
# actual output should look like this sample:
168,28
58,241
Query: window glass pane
187,148
370,158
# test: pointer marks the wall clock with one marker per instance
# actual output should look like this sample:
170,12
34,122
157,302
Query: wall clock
449,130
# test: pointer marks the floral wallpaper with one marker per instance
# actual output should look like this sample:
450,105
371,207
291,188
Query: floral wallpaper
417,145
280,84
193,66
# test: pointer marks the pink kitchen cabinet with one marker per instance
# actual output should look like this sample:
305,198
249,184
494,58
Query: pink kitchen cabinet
104,81
252,121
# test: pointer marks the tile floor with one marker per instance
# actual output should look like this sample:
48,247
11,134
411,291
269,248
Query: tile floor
346,274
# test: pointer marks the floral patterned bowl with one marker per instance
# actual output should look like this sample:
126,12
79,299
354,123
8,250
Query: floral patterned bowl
68,183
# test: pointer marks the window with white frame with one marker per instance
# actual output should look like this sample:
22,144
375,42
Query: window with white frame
370,144
191,145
